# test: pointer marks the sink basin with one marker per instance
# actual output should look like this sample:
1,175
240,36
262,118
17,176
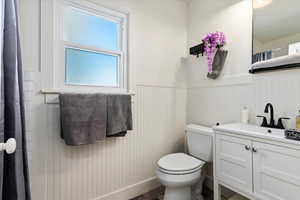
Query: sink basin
251,130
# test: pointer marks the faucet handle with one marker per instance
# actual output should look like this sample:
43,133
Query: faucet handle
264,122
280,124
281,118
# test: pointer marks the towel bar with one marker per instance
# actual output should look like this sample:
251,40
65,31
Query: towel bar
54,99
49,91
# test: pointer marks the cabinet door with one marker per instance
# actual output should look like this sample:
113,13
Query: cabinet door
276,172
234,162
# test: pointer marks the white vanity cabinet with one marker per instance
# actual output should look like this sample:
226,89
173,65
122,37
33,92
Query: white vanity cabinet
257,168
276,172
234,161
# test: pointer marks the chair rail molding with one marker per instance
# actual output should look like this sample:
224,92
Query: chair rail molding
228,80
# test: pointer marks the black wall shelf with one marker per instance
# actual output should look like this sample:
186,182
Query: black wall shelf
280,67
197,50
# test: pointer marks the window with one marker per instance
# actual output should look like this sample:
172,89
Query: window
90,68
91,46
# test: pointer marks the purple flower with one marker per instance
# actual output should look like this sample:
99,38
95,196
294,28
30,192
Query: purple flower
212,42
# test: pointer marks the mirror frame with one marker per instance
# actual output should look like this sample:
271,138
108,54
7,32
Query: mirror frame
266,69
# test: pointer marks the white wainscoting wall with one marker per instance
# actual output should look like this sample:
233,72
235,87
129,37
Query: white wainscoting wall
116,168
208,105
119,168
28,85
212,101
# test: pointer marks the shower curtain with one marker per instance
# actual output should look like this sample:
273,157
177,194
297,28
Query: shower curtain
14,177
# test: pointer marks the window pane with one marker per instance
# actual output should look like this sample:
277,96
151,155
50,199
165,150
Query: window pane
90,68
90,30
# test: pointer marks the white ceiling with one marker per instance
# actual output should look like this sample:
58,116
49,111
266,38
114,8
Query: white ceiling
280,18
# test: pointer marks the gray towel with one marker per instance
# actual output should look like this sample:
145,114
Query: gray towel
119,115
218,64
83,118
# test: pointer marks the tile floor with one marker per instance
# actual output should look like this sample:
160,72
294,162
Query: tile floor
158,194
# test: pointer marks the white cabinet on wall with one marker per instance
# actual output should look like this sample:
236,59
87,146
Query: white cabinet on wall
256,168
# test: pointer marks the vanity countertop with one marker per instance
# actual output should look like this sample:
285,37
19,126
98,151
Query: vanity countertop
256,132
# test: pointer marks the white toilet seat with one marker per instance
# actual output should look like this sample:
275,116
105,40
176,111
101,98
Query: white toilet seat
180,172
179,164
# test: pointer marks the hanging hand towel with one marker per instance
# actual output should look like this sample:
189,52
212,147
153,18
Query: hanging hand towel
83,118
119,115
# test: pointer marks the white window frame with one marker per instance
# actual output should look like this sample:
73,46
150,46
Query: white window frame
57,79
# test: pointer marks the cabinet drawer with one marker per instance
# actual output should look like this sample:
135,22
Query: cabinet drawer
234,162
276,172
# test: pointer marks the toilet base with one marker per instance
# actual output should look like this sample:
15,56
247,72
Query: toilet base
180,193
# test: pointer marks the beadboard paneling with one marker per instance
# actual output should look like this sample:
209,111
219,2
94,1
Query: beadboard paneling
282,89
92,171
209,105
28,87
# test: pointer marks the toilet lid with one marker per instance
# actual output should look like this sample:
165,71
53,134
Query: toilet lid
179,162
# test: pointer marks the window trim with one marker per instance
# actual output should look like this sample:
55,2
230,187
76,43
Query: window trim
57,62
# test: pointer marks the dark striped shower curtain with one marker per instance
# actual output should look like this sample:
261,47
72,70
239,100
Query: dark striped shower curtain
14,178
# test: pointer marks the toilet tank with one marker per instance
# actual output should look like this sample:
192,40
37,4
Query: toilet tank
200,142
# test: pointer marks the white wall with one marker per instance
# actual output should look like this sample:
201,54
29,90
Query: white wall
157,39
124,167
282,43
121,168
228,16
222,100
257,46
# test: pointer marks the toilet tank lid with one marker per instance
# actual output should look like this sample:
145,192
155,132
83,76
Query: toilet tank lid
199,129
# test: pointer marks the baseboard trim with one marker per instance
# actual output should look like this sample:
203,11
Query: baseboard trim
132,191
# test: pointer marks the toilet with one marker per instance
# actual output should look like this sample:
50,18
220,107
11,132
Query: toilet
179,171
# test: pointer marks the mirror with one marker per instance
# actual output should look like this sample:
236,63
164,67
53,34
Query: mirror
276,34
